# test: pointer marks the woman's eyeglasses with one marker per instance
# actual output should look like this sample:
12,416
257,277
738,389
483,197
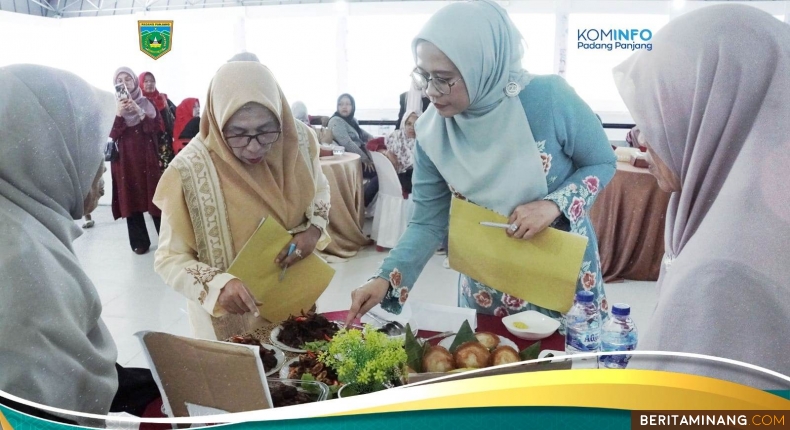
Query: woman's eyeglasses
442,85
265,138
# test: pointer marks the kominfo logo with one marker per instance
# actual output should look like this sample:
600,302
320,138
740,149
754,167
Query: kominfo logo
628,39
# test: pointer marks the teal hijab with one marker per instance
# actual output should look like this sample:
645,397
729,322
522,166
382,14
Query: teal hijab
487,153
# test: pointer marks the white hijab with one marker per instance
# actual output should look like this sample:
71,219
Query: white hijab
299,111
711,99
55,350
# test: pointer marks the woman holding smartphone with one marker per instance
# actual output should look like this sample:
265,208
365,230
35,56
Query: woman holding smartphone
135,173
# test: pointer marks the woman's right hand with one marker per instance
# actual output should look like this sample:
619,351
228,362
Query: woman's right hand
366,297
121,108
126,106
368,166
236,298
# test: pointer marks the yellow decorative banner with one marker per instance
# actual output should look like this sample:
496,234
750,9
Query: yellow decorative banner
593,388
4,424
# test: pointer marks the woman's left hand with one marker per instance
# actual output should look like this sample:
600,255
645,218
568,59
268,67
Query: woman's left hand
305,245
532,218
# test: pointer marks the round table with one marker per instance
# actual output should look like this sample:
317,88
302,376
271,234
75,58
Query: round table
347,200
628,217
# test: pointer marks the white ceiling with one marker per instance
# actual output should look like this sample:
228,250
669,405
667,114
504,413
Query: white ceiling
77,8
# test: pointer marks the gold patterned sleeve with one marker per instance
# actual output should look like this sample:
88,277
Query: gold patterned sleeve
176,259
321,204
318,212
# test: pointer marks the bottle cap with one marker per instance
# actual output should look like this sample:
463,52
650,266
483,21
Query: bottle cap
585,296
621,309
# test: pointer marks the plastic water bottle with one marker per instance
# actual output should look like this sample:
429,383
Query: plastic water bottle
618,334
583,326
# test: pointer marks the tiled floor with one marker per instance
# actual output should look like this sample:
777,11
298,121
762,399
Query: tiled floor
136,299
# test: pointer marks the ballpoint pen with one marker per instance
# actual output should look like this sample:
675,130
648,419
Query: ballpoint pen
291,250
497,225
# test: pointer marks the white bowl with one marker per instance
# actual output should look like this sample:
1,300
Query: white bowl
539,326
338,150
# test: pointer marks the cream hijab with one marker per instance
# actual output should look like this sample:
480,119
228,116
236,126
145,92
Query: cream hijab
281,186
56,349
711,99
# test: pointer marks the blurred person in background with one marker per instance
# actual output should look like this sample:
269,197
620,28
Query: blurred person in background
136,171
167,114
187,123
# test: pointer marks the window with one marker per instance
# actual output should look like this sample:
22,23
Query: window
590,71
302,54
380,60
538,31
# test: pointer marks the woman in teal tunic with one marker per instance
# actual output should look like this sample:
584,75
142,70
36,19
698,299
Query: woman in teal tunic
525,146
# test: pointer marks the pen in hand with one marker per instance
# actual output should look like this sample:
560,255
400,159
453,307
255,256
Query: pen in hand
498,225
291,249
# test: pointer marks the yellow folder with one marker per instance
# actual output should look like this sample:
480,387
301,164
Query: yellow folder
303,283
542,270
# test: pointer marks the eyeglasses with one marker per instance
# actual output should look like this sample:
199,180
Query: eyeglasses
265,138
442,85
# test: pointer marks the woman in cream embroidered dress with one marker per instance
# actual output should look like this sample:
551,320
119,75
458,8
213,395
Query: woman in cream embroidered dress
251,160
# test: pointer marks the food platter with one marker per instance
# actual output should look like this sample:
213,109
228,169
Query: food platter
503,341
273,352
279,355
285,370
278,344
292,334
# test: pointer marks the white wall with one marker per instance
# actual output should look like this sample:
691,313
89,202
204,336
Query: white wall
318,51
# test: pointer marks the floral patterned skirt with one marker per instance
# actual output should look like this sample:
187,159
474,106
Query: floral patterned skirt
489,301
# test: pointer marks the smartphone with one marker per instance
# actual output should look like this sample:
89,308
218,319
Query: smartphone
121,93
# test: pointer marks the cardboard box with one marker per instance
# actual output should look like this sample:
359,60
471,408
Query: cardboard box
206,374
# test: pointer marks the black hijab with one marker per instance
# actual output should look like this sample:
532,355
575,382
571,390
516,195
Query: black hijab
191,129
350,118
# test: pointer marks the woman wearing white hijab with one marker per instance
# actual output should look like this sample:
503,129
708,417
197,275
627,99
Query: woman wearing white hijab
524,146
55,348
299,110
711,100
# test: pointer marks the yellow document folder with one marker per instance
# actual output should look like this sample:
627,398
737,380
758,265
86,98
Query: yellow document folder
542,270
303,283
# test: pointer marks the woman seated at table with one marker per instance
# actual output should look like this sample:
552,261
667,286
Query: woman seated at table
400,150
347,131
524,146
348,134
251,160
717,140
